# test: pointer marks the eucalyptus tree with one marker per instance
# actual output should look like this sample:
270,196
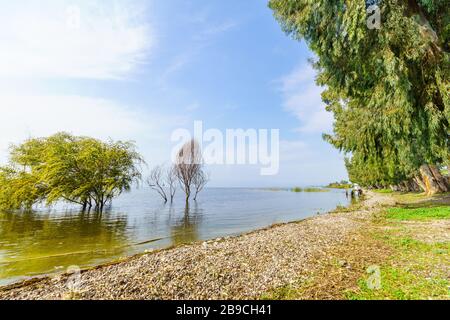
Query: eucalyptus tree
80,170
388,88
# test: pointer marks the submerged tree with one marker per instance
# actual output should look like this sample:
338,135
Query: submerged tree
171,180
156,182
164,182
189,169
19,189
388,88
200,181
79,170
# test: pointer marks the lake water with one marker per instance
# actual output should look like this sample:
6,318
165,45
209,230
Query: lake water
47,241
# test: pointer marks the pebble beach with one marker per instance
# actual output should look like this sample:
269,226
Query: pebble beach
243,267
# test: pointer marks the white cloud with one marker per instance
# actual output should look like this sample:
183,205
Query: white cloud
302,98
68,39
319,121
293,151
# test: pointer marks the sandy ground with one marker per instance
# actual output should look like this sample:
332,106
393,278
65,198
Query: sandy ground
243,267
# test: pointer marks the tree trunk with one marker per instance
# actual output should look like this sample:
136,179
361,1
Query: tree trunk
420,182
433,180
414,186
440,179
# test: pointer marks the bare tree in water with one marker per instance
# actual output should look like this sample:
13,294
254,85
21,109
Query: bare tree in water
200,181
156,181
189,168
164,181
172,180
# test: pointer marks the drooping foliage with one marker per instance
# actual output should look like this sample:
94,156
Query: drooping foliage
79,170
388,88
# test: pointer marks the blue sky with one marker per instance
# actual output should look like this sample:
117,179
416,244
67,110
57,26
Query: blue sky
140,69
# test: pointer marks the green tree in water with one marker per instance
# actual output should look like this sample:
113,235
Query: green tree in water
79,170
388,88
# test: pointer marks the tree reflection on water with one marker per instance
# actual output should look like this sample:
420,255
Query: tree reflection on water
43,242
185,230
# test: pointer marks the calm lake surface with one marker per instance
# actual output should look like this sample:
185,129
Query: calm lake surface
48,241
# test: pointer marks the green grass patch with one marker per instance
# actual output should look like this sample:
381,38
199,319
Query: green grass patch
416,271
403,214
406,245
399,284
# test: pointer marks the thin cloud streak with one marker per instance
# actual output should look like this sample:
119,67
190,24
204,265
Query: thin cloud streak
202,40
